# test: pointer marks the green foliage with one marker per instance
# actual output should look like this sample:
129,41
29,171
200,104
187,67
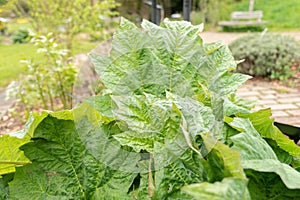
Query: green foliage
2,2
168,127
10,67
210,12
281,15
43,82
21,36
11,55
267,55
66,18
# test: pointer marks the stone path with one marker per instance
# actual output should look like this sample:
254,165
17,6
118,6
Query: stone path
4,105
284,102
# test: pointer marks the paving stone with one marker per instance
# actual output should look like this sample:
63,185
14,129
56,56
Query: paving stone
283,107
289,95
288,100
294,113
251,98
280,113
266,102
254,87
248,93
288,120
268,91
257,108
243,89
268,96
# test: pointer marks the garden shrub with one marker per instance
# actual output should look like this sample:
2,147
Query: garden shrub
21,36
168,127
48,82
268,55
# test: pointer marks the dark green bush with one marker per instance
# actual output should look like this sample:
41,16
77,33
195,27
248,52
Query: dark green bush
21,36
269,55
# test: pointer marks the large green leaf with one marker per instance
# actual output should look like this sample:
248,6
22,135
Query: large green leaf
258,155
188,168
249,142
4,188
266,186
288,175
227,189
164,58
224,161
264,124
10,155
103,104
66,168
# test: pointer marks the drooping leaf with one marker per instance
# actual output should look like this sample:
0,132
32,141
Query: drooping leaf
249,142
296,163
264,124
265,186
225,162
10,155
227,189
258,155
227,83
288,175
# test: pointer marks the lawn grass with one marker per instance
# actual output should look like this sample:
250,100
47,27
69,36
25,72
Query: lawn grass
11,54
10,66
281,15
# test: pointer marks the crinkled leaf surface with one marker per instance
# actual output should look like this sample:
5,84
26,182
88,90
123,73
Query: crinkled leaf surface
163,58
10,154
4,188
66,168
188,168
104,104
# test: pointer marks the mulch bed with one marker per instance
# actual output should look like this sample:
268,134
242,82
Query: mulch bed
12,121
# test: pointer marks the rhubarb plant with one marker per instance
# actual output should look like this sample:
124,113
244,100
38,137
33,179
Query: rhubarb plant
168,126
